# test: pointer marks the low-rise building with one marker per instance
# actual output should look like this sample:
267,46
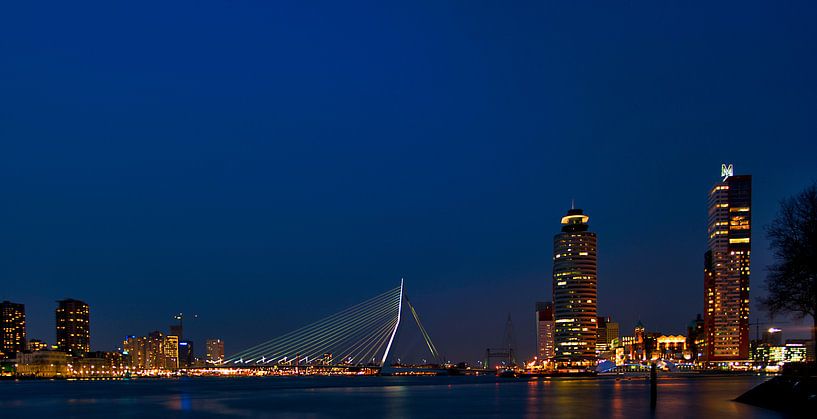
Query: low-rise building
98,365
43,364
764,354
809,345
672,347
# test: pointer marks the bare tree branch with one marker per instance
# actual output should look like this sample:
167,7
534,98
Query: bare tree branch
792,279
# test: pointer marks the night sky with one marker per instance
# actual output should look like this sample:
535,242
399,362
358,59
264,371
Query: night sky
264,164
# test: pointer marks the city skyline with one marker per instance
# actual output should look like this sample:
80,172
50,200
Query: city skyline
574,222
155,166
408,209
793,330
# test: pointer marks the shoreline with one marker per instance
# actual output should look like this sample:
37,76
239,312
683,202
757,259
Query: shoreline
482,377
794,391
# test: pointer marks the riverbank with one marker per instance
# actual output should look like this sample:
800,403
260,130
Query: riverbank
794,392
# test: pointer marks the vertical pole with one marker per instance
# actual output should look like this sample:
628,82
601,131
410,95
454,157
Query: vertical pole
653,385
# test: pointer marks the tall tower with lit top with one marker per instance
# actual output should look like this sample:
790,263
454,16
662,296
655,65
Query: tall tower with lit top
574,289
727,268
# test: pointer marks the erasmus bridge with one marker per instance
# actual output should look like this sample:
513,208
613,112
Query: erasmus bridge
359,336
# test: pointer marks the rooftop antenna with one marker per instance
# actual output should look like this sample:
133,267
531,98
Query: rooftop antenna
572,203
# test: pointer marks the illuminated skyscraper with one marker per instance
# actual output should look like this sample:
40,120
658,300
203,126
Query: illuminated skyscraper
215,351
726,269
12,329
171,352
154,351
574,289
545,326
612,333
186,357
606,332
73,327
134,348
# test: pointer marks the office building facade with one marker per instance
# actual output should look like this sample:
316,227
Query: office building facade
186,357
215,351
574,289
545,329
606,333
154,351
12,329
613,332
727,268
73,327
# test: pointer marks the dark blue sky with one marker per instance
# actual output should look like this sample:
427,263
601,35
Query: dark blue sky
264,165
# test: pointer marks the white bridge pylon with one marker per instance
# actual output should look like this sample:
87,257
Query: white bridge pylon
361,335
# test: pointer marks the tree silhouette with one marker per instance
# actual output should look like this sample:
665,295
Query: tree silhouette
792,279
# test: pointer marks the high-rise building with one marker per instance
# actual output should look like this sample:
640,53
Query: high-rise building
12,329
574,289
133,347
154,351
726,269
601,334
612,333
606,333
186,357
171,352
545,328
215,351
73,327
185,349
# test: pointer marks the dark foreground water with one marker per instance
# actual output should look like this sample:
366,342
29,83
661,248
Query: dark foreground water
320,397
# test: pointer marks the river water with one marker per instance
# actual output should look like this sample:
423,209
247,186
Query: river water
394,397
